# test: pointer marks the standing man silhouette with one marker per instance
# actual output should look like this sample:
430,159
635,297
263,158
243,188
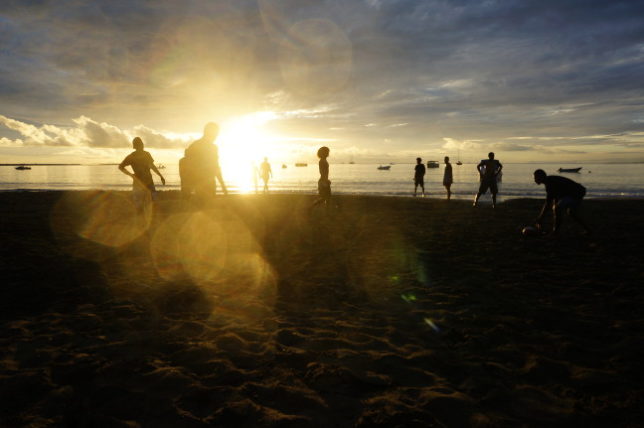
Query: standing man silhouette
419,176
489,170
200,167
448,178
141,163
266,172
324,184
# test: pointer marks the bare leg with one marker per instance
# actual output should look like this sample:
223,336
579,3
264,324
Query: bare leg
493,200
476,199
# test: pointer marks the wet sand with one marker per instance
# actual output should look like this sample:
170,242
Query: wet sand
256,312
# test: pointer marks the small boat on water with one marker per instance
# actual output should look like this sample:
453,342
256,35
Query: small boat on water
301,164
459,163
570,169
23,167
384,167
161,166
432,164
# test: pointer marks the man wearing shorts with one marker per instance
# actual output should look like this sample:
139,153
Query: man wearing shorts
488,169
561,194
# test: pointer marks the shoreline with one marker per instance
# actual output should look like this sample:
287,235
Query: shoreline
485,199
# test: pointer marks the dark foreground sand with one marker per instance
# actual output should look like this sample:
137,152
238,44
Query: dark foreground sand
392,312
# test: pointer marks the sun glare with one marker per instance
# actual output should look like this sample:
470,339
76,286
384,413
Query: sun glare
243,143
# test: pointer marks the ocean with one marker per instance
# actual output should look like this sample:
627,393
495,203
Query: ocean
601,180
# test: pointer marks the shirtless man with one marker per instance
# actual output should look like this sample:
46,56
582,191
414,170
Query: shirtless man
488,170
266,173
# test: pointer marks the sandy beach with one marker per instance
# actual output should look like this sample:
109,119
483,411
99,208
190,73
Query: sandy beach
253,311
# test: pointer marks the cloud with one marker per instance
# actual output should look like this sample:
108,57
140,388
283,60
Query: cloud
85,133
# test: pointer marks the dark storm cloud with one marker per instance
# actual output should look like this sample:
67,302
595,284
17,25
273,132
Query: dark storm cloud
490,70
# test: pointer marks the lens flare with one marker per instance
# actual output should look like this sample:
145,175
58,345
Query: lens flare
408,297
113,220
106,218
433,325
213,251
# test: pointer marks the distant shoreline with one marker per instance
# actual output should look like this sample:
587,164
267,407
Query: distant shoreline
311,193
347,163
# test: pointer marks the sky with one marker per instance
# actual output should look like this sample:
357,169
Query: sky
375,80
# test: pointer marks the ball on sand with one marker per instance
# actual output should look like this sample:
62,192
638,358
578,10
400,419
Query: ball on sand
530,231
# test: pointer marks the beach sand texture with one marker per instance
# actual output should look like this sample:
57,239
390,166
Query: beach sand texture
255,312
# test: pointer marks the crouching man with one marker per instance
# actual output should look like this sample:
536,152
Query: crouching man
561,194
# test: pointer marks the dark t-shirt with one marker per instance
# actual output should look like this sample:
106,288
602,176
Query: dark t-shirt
202,159
419,171
447,175
560,187
141,162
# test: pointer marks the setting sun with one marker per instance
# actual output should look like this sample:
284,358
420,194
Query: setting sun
243,143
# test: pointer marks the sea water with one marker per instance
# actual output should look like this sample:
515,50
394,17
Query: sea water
601,180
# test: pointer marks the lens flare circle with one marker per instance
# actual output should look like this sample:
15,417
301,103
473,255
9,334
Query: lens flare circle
107,218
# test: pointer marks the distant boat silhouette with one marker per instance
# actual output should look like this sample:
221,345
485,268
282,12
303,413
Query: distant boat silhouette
161,166
432,164
301,164
384,167
459,163
23,167
570,169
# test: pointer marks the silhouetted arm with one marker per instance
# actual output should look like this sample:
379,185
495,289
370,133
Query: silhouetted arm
153,167
220,178
547,204
478,167
498,171
125,171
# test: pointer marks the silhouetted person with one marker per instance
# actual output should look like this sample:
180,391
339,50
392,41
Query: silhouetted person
200,166
419,176
489,170
141,163
561,194
324,184
448,179
266,173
